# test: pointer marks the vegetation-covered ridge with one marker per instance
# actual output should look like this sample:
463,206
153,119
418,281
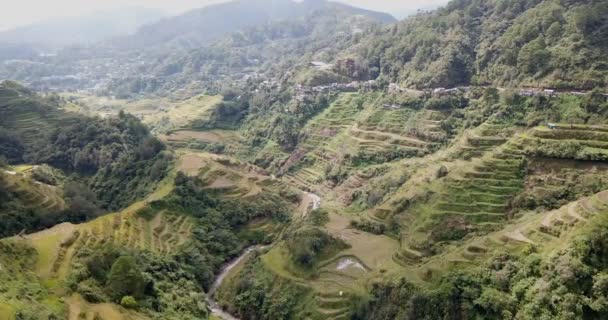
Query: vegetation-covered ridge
135,263
450,166
83,164
532,43
486,172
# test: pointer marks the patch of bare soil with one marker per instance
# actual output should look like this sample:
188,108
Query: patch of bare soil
220,183
191,164
194,135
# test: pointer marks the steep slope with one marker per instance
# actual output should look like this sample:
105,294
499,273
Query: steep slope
102,157
478,177
203,214
533,43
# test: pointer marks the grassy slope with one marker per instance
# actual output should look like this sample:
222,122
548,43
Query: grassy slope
161,115
56,247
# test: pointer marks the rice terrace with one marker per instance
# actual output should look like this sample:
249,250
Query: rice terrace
307,160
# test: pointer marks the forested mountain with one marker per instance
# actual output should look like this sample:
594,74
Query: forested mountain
55,34
96,160
201,27
194,48
534,43
277,51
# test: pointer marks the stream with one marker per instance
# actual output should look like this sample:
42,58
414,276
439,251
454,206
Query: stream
316,201
213,305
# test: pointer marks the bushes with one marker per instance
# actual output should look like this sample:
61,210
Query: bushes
125,279
368,226
161,287
569,285
11,146
309,245
128,302
318,217
263,296
45,174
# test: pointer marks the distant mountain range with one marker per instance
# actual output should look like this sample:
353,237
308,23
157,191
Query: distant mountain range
81,30
202,26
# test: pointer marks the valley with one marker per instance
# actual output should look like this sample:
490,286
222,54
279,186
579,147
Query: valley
311,160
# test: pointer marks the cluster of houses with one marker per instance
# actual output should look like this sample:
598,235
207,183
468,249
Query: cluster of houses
301,91
552,92
526,92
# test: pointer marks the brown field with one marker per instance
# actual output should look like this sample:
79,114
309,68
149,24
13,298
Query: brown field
203,136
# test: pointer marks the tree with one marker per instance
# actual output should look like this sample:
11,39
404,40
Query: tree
574,114
125,279
3,161
533,56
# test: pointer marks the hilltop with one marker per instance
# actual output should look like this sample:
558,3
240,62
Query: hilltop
199,48
204,26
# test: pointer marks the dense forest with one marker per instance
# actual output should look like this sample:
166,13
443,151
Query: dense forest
104,164
140,280
533,43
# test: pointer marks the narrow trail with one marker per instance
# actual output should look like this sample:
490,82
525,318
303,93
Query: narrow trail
213,305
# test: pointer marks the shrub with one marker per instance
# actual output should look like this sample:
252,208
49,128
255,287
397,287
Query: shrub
319,217
91,292
125,279
128,302
3,162
45,174
307,246
369,226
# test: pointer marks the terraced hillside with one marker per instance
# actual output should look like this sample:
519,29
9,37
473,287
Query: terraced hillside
359,130
26,116
33,194
544,233
161,236
154,228
161,115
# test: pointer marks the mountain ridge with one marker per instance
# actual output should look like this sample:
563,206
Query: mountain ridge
61,32
202,26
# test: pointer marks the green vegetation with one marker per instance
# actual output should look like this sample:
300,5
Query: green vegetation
385,198
310,245
535,43
568,284
104,158
262,295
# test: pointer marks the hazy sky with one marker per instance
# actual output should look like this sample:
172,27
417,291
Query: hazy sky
22,12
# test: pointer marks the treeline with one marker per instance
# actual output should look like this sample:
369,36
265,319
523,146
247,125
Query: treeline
109,163
173,286
513,42
571,284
